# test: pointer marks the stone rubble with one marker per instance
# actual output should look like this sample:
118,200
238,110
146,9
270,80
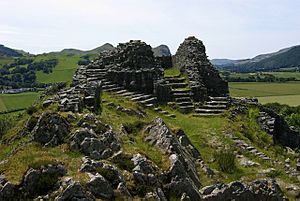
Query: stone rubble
50,130
97,146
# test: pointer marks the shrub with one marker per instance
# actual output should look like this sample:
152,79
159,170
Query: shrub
225,159
6,123
31,109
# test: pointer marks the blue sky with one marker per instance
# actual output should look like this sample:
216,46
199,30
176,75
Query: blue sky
228,28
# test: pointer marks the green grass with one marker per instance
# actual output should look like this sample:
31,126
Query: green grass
292,100
2,105
63,72
259,89
285,93
5,60
17,101
171,72
261,74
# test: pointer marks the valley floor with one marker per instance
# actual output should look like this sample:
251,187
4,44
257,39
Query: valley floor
284,93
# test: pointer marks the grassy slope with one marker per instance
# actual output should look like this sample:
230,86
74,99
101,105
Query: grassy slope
63,72
205,133
16,101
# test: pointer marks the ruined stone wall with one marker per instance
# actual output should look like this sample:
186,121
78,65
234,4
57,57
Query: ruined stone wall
283,133
191,59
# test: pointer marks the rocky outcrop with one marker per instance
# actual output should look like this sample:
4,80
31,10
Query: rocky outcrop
7,189
97,146
40,181
263,190
51,129
100,187
277,126
145,172
203,77
78,97
161,51
182,177
74,191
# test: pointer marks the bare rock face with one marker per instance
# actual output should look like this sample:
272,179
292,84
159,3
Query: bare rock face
100,187
264,190
51,129
74,191
40,181
97,146
7,189
182,177
204,78
144,172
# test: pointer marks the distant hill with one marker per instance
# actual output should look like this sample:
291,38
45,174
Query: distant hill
161,50
285,58
97,50
8,52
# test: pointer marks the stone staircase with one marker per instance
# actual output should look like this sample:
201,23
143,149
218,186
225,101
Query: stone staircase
214,106
181,93
147,100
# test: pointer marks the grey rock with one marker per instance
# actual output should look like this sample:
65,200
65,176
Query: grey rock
124,191
74,191
40,181
100,187
51,129
8,191
257,190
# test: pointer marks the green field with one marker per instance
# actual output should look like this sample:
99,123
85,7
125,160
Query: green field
285,93
63,72
276,74
17,101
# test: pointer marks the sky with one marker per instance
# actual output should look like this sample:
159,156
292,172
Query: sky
229,28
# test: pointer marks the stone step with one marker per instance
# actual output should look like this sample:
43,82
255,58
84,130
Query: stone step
178,85
148,101
135,95
96,70
114,89
150,105
183,99
216,103
140,97
121,92
128,94
218,98
95,74
213,111
205,114
213,106
163,112
90,79
171,115
157,109
174,76
180,91
189,107
185,103
181,95
109,86
175,79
